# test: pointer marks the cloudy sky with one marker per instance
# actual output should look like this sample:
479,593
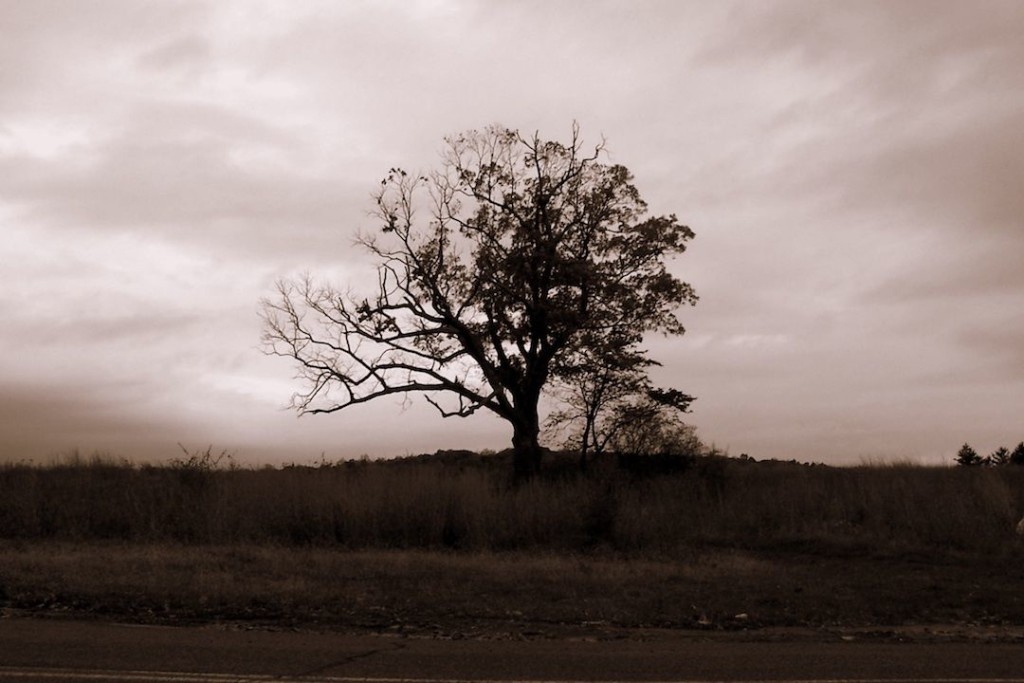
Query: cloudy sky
854,173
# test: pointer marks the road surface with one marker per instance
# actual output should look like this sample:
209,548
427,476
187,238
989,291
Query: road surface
34,650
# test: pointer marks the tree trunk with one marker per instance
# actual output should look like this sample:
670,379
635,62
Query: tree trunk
585,445
526,449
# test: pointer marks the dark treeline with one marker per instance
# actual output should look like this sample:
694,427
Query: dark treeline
968,457
460,500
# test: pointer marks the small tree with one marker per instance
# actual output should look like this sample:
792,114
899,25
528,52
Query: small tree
1017,457
999,457
495,274
615,409
968,457
604,374
653,426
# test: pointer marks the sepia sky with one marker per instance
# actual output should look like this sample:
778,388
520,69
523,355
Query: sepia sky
854,173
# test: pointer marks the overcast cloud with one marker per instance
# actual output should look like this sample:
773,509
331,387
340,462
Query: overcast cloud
853,172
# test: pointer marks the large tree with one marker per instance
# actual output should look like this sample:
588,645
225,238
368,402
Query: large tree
496,274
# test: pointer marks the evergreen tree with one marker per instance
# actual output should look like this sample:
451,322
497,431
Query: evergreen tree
1017,457
968,457
999,457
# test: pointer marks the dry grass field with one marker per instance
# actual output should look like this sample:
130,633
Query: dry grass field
446,545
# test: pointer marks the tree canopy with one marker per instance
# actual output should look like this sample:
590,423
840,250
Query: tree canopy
515,263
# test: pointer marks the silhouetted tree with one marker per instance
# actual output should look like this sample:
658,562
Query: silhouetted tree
602,375
1017,457
968,457
999,457
652,425
530,251
608,398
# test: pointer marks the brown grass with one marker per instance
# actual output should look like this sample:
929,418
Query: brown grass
447,545
490,594
471,507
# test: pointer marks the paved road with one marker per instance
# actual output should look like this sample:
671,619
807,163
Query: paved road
34,650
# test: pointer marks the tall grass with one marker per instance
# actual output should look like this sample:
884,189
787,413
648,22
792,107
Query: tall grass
386,505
